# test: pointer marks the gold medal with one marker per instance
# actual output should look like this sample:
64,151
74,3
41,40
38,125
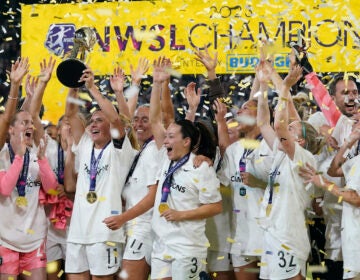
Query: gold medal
91,197
268,210
163,207
21,201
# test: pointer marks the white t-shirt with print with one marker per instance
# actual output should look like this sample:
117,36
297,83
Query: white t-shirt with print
247,235
86,224
351,218
22,229
144,175
291,197
191,187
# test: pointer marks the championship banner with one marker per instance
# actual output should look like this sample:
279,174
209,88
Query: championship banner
126,31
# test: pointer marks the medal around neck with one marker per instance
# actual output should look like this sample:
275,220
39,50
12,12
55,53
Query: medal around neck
163,207
91,197
71,69
21,201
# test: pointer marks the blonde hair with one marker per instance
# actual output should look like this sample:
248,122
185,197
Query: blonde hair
313,140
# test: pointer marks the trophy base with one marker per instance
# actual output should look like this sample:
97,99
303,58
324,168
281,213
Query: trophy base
69,72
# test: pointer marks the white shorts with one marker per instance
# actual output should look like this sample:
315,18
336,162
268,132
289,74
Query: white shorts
239,260
277,263
55,251
137,249
218,261
178,269
99,258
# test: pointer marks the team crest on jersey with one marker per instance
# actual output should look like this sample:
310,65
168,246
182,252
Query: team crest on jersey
59,38
242,191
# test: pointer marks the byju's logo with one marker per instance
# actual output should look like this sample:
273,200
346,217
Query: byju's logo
59,38
245,63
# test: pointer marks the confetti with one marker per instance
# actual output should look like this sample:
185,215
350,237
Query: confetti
75,101
52,267
27,273
115,134
230,240
246,119
123,274
249,143
112,244
30,231
61,272
285,247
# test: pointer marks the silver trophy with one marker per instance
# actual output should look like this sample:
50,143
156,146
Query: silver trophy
71,69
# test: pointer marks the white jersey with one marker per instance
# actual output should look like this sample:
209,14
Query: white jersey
291,197
351,218
86,224
22,229
247,235
191,187
218,228
136,189
342,129
332,210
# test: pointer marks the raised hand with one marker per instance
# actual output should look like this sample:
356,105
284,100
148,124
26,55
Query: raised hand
138,73
19,69
192,96
294,75
159,72
42,147
117,80
206,59
220,110
30,85
88,78
46,69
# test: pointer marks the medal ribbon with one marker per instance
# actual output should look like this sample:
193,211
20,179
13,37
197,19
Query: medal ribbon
167,182
60,168
93,167
246,153
21,182
272,180
136,159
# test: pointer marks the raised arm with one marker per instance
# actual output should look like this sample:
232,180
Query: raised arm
193,99
30,86
263,111
167,106
222,129
72,115
335,169
282,113
210,63
46,69
117,81
105,105
136,76
70,176
18,71
159,76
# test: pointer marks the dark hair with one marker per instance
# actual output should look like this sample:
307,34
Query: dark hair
202,142
335,80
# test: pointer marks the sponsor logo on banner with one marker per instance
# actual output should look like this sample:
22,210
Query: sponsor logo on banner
245,63
59,38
